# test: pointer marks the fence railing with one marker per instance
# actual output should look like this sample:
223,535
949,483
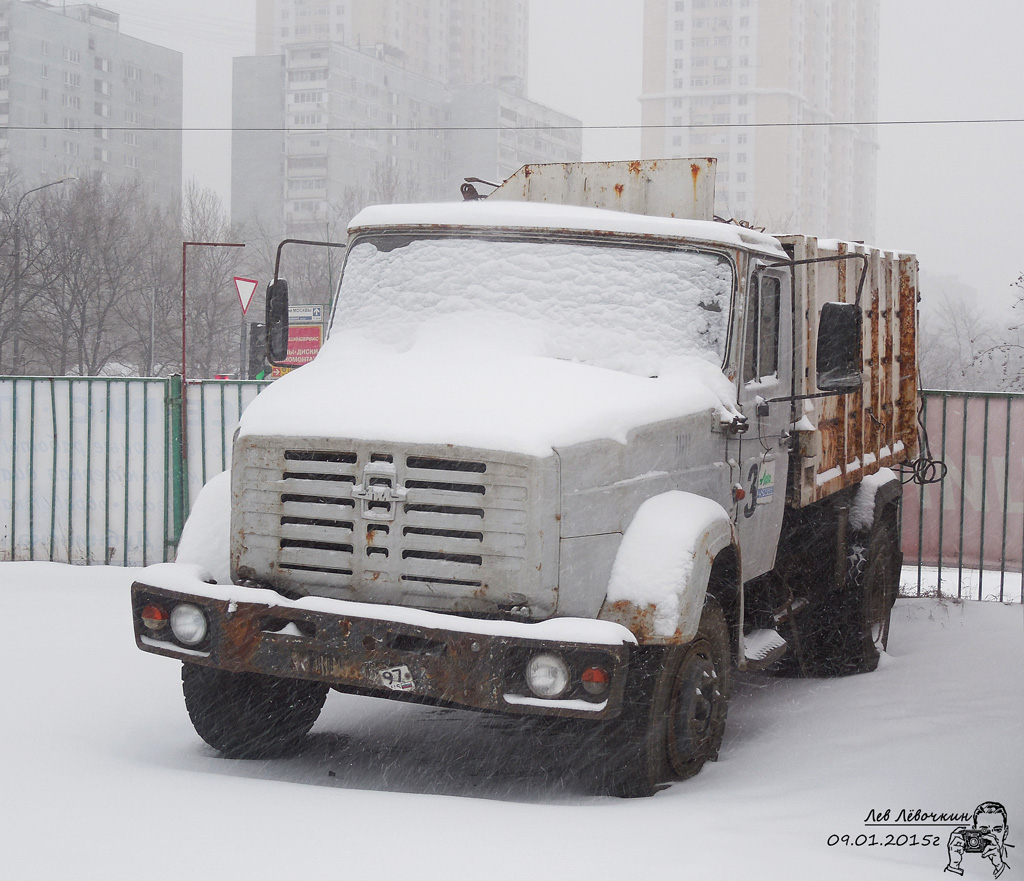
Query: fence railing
969,526
92,471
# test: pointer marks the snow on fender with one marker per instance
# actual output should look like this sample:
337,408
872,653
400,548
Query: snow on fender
661,572
206,538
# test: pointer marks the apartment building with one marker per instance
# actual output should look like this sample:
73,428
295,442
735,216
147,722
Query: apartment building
79,98
386,100
772,88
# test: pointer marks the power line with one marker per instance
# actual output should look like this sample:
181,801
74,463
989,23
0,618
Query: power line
313,127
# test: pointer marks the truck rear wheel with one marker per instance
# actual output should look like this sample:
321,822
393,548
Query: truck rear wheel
675,720
846,632
248,715
872,579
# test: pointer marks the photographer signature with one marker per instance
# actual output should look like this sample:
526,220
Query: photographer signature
987,837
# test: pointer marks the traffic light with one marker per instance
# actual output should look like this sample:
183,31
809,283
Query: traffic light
257,361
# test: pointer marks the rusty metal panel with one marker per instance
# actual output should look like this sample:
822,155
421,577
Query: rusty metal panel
841,439
658,187
350,652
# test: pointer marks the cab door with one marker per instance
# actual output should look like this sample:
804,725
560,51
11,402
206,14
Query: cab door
764,398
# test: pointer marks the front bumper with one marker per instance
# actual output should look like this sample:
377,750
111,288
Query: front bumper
386,651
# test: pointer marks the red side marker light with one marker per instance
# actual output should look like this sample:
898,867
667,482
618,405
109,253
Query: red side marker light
154,617
595,680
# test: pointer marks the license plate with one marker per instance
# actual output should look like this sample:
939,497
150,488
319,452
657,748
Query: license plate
396,678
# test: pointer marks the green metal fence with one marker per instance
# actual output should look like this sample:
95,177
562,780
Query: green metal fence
92,469
102,470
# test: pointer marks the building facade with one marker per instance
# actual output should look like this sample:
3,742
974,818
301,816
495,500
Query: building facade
772,89
78,98
382,100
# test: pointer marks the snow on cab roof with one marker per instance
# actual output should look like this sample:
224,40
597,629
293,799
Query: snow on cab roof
534,215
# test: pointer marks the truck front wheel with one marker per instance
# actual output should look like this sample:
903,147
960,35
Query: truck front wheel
248,715
674,720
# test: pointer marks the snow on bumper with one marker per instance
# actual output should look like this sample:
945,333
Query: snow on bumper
384,650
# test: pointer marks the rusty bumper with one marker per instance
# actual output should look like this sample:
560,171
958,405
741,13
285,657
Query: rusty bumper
469,663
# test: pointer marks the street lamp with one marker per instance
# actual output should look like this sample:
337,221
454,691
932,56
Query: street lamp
16,294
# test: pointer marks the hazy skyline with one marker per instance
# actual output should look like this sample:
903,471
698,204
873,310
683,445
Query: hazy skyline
951,193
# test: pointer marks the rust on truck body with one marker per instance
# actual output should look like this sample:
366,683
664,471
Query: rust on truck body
473,670
841,439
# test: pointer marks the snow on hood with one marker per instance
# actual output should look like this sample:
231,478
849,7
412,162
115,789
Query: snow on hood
484,395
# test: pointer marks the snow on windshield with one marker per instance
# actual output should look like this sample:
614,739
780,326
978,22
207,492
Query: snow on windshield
625,308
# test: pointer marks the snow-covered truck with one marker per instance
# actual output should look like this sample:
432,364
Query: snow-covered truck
576,449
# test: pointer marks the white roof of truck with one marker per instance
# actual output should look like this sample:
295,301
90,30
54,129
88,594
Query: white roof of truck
536,216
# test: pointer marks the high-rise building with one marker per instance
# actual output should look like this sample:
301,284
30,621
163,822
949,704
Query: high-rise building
79,98
456,42
382,100
772,89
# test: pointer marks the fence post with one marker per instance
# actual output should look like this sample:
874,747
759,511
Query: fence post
175,458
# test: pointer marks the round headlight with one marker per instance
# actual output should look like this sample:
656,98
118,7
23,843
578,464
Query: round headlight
188,623
547,675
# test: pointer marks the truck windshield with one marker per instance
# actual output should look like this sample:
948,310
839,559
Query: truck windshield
620,306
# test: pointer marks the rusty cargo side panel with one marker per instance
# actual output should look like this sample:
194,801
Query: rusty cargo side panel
659,187
842,439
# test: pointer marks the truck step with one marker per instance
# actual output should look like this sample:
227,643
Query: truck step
762,648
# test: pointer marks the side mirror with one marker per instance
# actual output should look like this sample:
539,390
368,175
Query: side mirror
839,348
277,321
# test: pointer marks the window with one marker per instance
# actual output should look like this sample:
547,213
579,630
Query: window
72,80
102,64
761,340
101,154
73,56
131,161
74,102
104,88
101,109
133,116
131,139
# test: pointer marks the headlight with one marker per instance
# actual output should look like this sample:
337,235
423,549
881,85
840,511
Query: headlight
188,624
547,675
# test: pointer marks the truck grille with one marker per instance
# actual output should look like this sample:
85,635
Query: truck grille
370,524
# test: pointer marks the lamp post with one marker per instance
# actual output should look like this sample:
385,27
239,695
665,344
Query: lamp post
184,377
16,294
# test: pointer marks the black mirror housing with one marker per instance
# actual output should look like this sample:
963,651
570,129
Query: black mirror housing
277,321
839,348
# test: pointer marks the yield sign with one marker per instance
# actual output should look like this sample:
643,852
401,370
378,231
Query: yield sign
246,287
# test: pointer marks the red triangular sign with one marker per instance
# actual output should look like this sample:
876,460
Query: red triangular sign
246,287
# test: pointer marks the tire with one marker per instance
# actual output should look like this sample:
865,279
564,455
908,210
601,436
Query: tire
676,719
248,715
872,579
851,629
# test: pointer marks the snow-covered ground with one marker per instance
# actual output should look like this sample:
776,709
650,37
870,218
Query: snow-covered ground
103,777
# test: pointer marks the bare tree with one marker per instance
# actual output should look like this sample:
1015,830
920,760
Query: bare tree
212,310
92,239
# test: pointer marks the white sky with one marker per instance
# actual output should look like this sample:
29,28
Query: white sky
951,193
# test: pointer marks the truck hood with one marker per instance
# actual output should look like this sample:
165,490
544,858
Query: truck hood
482,396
